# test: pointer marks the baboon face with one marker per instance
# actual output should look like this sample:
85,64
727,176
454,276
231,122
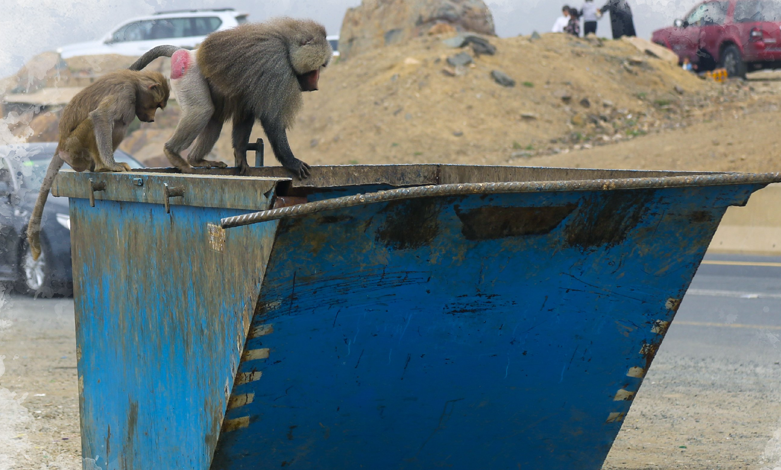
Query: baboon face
149,100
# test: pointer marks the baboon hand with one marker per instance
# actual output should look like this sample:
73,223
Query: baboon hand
117,168
242,168
299,168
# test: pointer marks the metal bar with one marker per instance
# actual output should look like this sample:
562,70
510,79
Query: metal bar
498,188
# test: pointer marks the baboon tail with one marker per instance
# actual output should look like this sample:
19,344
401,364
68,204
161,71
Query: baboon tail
152,54
34,227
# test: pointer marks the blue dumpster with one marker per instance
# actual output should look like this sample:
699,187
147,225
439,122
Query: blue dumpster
377,317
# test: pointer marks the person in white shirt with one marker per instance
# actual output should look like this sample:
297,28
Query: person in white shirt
590,14
562,21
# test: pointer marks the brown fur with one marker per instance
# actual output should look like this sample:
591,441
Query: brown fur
253,71
93,125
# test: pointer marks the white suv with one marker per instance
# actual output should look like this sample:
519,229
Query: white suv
184,28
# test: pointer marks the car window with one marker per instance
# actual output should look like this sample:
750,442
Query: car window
136,31
334,44
205,25
241,19
707,14
751,11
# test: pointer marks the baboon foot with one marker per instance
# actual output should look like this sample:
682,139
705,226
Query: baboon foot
177,160
208,164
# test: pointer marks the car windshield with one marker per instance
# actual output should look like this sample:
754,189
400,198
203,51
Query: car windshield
752,11
31,164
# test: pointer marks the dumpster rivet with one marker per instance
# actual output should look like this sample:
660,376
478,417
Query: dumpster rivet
138,181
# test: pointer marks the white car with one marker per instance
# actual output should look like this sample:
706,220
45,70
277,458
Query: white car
184,28
334,41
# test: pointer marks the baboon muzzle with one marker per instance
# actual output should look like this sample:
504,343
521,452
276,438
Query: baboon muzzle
308,81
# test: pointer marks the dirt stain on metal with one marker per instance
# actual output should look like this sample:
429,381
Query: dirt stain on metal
605,219
410,224
492,222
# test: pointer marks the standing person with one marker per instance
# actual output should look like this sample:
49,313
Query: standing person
589,14
562,21
620,18
573,27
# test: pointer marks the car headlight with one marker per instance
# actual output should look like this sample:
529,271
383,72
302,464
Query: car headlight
64,220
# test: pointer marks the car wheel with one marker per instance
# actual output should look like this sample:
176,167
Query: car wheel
35,276
732,62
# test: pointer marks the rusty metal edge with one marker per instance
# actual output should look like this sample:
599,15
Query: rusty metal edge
698,180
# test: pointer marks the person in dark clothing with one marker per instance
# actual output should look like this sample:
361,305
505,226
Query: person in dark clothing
589,14
573,27
620,18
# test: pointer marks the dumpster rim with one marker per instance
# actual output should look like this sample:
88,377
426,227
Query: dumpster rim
699,180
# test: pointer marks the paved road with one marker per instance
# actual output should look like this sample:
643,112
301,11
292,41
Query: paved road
732,310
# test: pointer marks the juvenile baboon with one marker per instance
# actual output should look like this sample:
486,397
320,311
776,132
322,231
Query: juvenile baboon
253,71
93,125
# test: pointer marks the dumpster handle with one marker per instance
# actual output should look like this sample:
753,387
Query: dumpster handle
168,193
465,189
94,188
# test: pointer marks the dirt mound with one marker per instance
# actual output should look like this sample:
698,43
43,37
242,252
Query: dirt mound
408,104
414,102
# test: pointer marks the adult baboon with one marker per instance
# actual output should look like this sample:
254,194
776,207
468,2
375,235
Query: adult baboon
93,125
253,71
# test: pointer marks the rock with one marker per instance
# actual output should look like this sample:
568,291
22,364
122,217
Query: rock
481,46
523,154
651,49
585,103
564,95
578,120
461,59
502,78
535,36
634,60
411,61
441,28
607,104
529,117
678,89
458,133
378,23
313,143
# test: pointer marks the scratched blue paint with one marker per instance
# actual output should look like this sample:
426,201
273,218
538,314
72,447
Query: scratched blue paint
500,353
459,332
160,320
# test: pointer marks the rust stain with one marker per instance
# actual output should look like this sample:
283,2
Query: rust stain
261,330
247,377
237,401
673,304
606,219
648,350
624,395
410,224
636,372
230,425
287,201
660,327
216,235
615,417
492,222
254,354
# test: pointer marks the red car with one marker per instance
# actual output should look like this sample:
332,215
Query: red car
738,35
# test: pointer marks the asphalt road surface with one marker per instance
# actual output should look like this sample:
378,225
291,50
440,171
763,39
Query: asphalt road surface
711,400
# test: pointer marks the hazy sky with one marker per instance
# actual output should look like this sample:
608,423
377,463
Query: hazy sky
28,27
